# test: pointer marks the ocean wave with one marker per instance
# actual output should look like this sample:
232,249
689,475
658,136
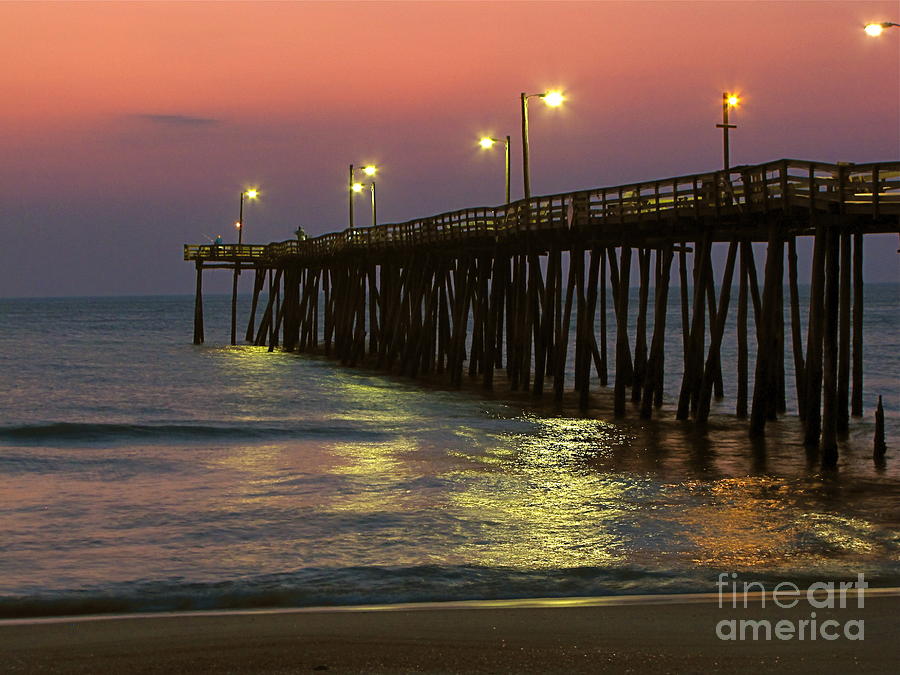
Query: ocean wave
323,587
77,433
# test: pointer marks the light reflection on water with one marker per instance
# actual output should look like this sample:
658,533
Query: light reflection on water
308,483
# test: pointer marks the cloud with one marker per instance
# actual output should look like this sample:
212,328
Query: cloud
178,120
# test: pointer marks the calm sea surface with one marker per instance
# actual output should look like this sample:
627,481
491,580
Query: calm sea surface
140,472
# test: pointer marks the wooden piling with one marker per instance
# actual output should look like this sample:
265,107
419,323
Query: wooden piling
234,289
717,331
796,328
624,372
640,340
742,351
198,305
880,446
843,383
830,350
813,387
653,374
604,357
258,282
856,397
588,329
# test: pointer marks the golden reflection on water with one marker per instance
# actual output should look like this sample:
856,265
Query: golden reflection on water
567,492
754,522
555,510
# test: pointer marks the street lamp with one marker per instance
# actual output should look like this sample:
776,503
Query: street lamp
356,187
252,193
554,99
487,143
728,101
876,29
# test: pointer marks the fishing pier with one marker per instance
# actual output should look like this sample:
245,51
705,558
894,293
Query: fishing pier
518,287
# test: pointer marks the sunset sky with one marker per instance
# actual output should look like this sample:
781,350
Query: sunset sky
129,129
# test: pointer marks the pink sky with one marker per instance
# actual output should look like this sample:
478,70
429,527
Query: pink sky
129,129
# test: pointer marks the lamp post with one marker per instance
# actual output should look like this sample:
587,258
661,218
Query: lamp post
876,29
252,193
356,187
487,143
554,99
728,101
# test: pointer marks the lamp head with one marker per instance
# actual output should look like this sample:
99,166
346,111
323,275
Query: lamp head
486,142
357,187
874,29
237,224
370,169
252,193
732,100
553,98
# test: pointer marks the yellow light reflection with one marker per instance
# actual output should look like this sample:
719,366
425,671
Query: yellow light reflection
555,510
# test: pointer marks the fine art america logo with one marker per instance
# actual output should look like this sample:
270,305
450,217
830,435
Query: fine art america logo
821,595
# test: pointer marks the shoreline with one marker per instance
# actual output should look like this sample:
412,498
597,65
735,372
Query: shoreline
439,605
622,634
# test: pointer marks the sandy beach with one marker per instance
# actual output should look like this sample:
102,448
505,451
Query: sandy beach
635,635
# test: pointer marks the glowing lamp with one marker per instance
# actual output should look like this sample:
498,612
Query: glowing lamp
553,98
252,193
874,29
486,143
370,170
357,187
733,100
238,224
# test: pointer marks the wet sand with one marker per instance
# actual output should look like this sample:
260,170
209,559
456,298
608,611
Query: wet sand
635,635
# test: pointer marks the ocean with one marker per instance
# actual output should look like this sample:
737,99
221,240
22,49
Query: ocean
139,472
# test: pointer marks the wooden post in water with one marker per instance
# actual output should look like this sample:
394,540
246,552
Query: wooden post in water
764,384
843,383
685,302
880,446
830,349
813,386
562,338
742,352
604,360
717,331
624,372
856,398
198,305
588,330
654,371
234,287
690,383
796,328
640,340
258,282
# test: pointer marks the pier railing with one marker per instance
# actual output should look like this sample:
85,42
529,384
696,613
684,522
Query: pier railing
784,185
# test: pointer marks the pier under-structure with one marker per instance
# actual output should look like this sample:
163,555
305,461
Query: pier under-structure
518,287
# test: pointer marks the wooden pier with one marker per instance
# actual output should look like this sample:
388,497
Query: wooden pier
512,287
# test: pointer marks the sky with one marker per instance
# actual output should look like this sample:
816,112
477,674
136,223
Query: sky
130,129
